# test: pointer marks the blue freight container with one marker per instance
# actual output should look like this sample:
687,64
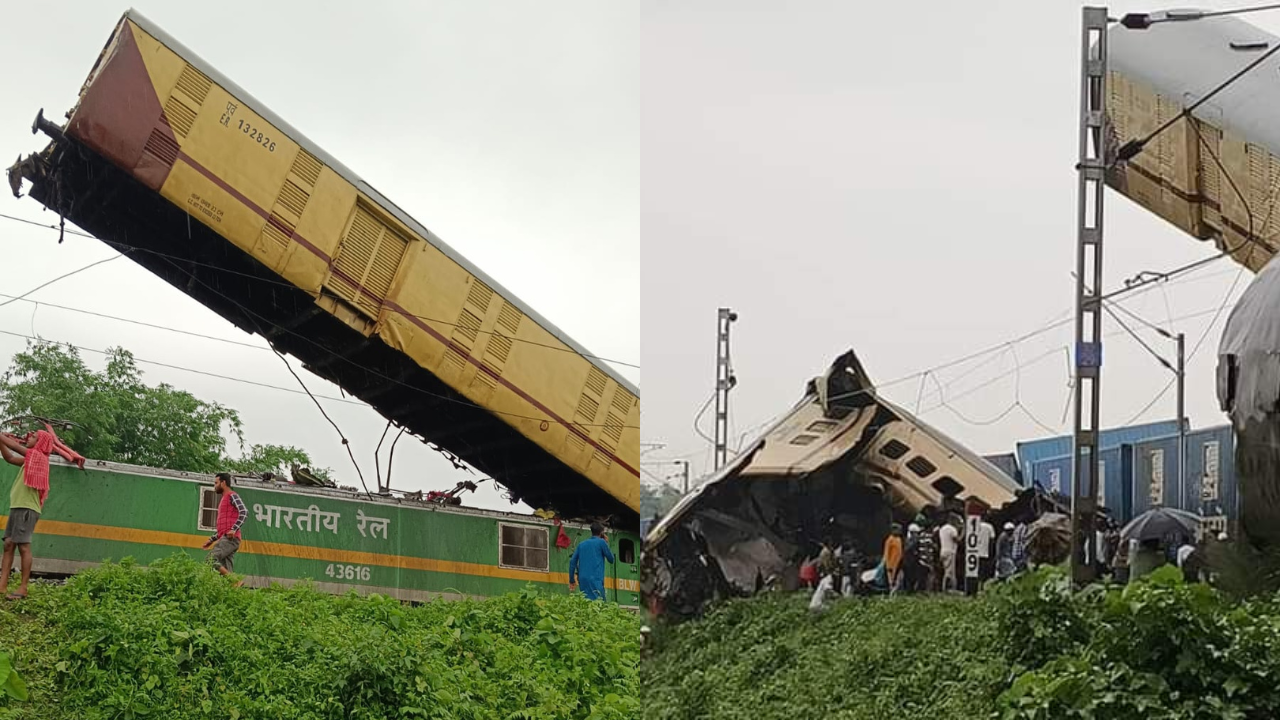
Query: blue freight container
1032,451
1211,476
1155,474
1054,474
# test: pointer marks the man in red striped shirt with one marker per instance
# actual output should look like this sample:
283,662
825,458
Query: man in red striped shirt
231,515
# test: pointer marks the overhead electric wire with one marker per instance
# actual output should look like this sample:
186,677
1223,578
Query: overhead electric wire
180,367
1141,21
256,316
166,328
139,323
1132,148
1150,350
64,276
345,443
335,353
126,247
1230,291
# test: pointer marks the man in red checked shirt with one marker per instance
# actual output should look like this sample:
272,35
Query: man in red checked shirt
231,515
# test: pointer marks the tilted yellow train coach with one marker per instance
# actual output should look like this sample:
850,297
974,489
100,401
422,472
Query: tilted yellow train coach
292,245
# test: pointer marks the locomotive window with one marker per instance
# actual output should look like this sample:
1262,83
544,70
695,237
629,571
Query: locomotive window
522,546
626,551
208,518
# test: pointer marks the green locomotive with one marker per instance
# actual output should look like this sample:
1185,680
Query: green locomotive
339,539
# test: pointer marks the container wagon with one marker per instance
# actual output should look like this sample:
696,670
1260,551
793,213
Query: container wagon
339,539
165,159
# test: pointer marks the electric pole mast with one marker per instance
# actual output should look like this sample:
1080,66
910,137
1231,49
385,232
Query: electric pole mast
1182,421
724,383
1091,170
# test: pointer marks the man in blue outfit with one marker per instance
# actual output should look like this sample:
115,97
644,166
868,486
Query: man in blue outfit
587,564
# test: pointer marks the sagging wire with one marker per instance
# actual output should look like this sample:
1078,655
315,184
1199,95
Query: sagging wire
697,418
345,443
64,276
920,393
391,456
1168,308
377,464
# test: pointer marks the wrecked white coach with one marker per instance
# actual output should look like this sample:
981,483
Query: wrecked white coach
840,467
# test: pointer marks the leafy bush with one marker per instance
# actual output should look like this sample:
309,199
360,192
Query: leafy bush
1158,648
769,657
1032,649
179,642
1039,617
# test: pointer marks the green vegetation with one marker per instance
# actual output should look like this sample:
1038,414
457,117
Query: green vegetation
1028,650
769,657
177,641
125,420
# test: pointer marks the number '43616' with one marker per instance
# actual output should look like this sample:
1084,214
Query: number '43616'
347,572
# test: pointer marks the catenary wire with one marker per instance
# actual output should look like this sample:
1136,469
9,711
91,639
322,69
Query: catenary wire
258,317
180,367
122,247
345,443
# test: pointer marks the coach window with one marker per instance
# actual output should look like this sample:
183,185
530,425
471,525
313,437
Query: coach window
626,551
523,547
208,519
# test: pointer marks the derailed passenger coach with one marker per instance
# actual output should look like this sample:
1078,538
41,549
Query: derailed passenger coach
840,466
168,161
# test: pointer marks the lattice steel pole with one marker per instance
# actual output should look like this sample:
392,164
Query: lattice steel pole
724,383
1091,170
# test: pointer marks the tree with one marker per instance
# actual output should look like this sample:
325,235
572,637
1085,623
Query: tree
657,500
125,420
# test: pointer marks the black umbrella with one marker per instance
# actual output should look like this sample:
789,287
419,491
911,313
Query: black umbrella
1159,523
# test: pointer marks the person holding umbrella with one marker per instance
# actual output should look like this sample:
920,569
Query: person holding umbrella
1149,529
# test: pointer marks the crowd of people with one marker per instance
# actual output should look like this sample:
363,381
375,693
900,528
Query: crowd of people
928,556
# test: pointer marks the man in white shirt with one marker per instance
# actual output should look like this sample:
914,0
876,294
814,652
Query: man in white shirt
827,587
986,554
1184,552
948,543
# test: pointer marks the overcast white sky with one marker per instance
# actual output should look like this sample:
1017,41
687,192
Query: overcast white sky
510,129
898,179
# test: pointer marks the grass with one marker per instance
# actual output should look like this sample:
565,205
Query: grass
769,657
178,642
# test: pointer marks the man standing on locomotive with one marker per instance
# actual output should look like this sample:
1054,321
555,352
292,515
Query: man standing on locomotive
587,564
231,515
